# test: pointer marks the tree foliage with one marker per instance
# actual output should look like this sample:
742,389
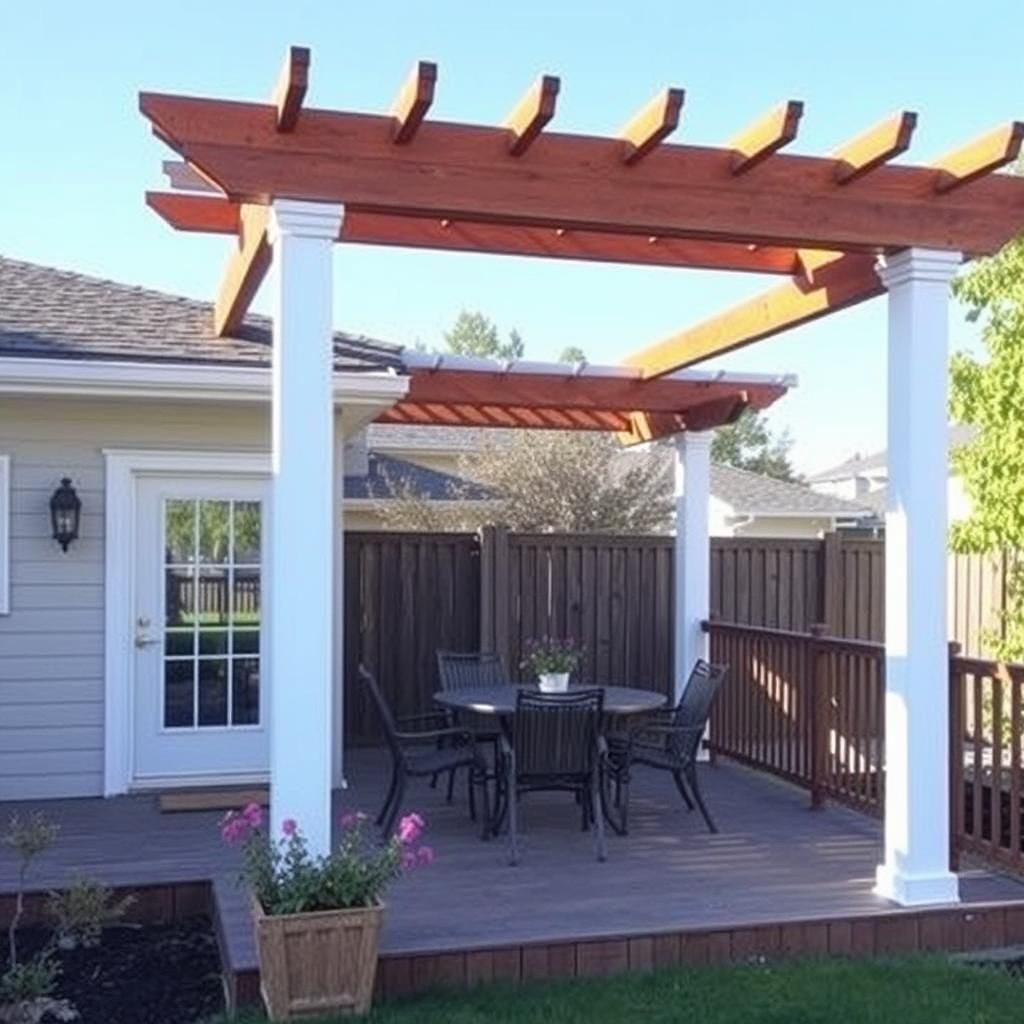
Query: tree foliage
749,444
988,394
572,354
547,481
473,334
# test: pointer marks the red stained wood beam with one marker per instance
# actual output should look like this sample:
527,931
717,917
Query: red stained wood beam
767,135
218,215
986,154
531,114
646,129
291,87
462,172
837,284
716,412
876,146
413,101
247,266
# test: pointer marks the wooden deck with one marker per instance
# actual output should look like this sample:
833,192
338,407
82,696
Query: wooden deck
774,861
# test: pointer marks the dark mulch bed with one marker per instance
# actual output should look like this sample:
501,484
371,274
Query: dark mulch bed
153,974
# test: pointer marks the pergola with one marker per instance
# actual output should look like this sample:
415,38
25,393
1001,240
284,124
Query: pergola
287,182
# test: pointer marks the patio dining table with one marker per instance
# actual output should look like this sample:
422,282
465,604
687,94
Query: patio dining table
501,700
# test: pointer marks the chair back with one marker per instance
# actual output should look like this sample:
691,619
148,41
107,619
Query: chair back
694,707
383,709
555,734
458,671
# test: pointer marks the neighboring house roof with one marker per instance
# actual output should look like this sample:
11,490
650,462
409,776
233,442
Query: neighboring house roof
859,465
754,494
408,438
385,475
56,314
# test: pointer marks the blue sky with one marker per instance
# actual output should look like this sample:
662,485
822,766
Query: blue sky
79,157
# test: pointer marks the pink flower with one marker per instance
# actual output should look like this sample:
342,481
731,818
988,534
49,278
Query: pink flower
234,828
408,859
253,814
289,827
410,828
351,818
425,855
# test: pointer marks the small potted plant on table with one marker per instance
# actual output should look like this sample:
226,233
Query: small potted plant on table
318,918
553,661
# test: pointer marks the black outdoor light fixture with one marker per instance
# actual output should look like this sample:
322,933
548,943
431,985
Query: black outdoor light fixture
65,512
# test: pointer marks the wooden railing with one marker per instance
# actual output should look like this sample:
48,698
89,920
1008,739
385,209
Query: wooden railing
986,759
804,706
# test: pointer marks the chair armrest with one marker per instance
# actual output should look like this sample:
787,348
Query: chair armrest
429,735
664,731
427,716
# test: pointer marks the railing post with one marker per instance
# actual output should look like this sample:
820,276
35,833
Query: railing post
832,583
819,706
956,755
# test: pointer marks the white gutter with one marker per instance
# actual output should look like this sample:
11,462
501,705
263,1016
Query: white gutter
170,381
417,360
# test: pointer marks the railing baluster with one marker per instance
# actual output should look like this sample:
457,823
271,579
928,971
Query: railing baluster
957,698
1014,759
977,765
996,785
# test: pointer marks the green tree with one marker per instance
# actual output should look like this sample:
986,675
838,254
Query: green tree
473,334
572,354
749,444
987,394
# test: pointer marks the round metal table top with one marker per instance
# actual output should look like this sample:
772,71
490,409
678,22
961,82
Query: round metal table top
501,700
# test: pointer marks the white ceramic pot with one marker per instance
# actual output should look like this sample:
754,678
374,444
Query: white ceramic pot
553,682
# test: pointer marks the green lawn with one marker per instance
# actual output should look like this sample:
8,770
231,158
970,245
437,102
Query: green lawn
905,991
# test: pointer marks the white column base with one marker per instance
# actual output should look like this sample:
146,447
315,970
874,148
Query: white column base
916,890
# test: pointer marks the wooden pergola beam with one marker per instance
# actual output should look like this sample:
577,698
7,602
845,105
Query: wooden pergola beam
218,215
982,156
413,101
655,122
581,183
876,146
291,87
531,114
843,282
765,136
247,266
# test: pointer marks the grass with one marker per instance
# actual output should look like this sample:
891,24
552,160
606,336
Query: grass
919,990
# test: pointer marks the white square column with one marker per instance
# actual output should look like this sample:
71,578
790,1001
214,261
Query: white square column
916,867
692,552
302,520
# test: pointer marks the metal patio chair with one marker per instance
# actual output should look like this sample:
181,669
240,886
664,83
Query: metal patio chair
457,670
409,759
555,744
668,741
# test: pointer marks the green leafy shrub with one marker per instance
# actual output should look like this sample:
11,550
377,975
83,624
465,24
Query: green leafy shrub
83,910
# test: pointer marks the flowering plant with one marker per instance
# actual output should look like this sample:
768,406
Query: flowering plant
287,879
550,655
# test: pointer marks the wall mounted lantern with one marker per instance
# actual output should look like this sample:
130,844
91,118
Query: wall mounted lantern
65,513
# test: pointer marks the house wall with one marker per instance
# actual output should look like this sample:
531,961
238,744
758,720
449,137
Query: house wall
51,643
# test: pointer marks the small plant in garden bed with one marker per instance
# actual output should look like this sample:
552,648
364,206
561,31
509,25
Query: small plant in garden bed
551,656
332,904
83,910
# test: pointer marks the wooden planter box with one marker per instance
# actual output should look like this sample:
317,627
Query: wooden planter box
317,963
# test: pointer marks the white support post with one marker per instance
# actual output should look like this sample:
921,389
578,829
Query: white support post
916,866
302,521
692,552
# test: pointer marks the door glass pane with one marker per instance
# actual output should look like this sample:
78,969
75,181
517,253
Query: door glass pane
178,687
178,603
245,691
213,691
213,598
215,532
247,533
212,613
180,529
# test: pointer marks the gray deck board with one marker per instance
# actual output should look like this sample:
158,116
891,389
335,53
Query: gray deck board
773,860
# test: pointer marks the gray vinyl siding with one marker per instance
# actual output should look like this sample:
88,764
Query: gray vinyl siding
51,643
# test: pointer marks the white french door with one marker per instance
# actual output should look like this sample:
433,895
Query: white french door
199,689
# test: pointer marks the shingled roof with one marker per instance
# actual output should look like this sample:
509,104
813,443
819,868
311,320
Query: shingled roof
388,477
57,314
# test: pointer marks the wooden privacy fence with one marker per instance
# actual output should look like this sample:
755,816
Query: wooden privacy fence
804,706
408,594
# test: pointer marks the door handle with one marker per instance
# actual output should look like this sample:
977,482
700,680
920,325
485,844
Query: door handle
145,640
